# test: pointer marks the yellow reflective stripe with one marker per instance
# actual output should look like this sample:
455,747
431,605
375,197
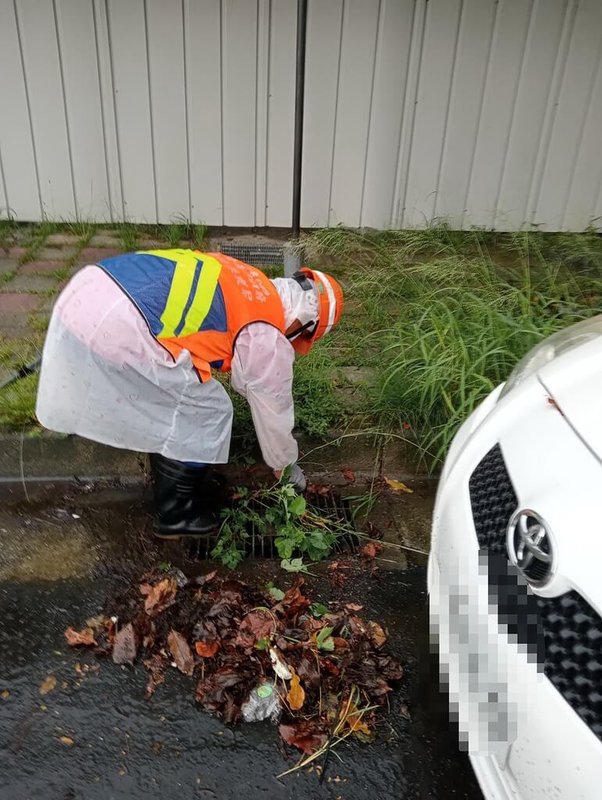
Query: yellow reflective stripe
203,297
179,291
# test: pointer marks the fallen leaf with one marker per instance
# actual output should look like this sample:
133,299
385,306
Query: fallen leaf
276,593
280,667
308,671
353,607
355,722
178,647
157,666
85,637
318,610
5,694
145,589
206,649
370,550
348,474
398,486
200,580
296,694
48,684
124,648
377,635
293,565
258,624
318,488
324,640
66,740
161,596
307,735
225,690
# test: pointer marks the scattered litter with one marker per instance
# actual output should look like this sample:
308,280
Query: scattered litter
76,516
67,741
5,694
263,704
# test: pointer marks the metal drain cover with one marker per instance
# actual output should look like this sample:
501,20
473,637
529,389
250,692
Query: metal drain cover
330,506
257,255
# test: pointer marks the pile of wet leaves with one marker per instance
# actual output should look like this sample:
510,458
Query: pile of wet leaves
322,672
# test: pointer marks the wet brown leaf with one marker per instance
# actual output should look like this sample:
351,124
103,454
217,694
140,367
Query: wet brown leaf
85,637
258,624
66,740
308,671
124,647
370,550
296,694
348,474
206,649
156,665
353,607
178,647
201,580
161,596
377,635
307,735
318,488
216,693
48,685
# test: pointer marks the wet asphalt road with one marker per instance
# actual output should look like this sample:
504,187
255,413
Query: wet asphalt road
124,746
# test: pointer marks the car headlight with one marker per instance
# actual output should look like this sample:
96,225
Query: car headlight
551,348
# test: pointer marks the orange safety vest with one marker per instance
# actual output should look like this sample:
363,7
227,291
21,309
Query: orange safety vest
196,301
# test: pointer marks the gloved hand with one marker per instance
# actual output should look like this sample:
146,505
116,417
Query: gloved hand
295,476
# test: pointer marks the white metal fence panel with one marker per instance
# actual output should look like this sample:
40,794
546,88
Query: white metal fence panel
474,112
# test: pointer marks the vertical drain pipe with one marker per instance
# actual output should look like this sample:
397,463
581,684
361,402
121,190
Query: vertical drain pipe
292,256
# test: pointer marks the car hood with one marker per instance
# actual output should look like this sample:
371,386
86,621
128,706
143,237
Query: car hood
574,383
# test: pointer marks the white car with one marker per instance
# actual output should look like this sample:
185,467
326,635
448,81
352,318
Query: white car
515,575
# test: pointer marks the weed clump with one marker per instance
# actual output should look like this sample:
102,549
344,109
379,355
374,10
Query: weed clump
443,316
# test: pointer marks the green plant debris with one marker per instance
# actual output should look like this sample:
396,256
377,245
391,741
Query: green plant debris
298,531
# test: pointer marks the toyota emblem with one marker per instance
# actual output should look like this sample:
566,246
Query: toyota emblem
530,547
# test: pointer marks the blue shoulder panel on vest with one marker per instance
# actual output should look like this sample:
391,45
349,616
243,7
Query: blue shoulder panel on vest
216,319
146,280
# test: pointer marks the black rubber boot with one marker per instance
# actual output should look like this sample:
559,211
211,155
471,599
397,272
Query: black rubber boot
212,489
179,510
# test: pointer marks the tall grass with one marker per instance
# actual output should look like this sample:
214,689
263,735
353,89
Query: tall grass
443,316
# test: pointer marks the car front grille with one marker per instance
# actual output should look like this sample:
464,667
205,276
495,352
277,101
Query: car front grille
564,631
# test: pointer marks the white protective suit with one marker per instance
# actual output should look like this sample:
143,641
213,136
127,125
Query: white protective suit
105,377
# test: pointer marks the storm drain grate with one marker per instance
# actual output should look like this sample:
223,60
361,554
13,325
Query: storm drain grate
330,506
258,255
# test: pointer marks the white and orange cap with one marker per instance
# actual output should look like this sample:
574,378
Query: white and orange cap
330,308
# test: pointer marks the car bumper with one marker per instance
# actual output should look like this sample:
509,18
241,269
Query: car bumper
523,738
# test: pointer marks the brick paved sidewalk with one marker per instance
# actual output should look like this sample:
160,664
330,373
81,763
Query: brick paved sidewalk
34,267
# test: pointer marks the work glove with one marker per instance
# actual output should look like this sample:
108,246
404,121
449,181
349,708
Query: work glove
297,479
295,476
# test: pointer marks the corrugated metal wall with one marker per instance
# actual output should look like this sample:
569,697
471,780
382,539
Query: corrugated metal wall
477,112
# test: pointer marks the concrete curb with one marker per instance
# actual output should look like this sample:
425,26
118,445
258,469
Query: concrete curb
45,457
